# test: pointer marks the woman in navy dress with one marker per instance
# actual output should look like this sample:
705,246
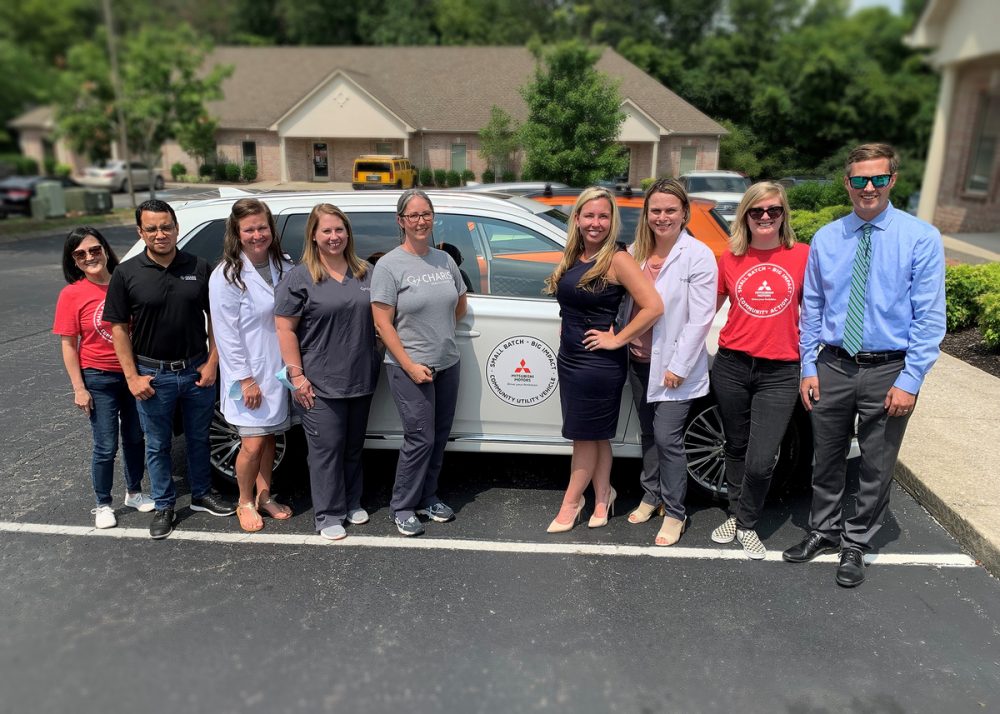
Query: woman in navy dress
594,275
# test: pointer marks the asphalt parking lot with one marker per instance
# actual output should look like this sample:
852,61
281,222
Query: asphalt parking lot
486,614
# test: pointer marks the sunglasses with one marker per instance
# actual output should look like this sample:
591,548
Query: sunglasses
859,182
93,252
770,212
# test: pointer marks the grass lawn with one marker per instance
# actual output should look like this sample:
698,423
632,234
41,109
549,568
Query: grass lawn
16,227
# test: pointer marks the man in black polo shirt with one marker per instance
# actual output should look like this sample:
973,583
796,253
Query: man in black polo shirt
169,359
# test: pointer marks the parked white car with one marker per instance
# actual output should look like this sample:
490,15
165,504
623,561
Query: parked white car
509,394
726,188
113,176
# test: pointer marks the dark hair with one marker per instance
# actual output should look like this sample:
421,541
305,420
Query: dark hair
232,248
70,271
154,205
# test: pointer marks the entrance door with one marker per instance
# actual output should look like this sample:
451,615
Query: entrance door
321,166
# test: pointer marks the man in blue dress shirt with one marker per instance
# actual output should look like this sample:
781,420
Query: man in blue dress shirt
872,322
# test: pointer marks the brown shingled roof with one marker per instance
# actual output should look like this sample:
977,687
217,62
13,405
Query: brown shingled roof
432,88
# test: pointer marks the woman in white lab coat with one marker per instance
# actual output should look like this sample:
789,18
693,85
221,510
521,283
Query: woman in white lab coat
241,292
668,365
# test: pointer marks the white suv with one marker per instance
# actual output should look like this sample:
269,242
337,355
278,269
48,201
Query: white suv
726,188
509,339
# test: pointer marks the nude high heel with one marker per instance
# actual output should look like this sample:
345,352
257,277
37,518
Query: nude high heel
556,527
671,530
596,522
643,512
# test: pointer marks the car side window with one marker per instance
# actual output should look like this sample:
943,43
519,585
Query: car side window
519,259
375,233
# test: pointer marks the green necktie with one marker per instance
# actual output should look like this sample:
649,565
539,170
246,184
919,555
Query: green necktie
854,326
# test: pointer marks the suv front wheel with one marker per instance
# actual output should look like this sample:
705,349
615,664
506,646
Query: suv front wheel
224,445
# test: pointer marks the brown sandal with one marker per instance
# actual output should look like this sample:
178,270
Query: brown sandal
277,511
250,519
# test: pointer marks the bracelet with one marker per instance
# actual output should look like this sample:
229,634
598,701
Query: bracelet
302,372
304,380
252,384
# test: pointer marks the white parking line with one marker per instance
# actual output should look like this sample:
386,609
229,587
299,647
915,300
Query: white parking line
941,560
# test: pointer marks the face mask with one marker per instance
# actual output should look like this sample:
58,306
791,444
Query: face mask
282,376
236,392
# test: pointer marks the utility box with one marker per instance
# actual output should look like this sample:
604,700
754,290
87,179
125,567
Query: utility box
55,198
98,200
39,208
76,200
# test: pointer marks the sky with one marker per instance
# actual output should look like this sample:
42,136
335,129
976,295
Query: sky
895,5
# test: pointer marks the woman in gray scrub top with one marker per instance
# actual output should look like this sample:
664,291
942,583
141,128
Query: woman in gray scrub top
417,297
327,341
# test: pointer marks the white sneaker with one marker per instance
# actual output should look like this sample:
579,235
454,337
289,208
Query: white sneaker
140,502
104,517
357,516
335,532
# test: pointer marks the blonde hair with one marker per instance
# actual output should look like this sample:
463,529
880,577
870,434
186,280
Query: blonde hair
644,240
597,275
740,239
310,253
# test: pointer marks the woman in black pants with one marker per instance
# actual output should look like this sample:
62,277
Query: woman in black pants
755,376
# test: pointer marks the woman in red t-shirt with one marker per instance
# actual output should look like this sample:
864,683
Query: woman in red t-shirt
99,388
755,377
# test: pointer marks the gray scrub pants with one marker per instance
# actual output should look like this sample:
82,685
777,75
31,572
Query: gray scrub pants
664,464
847,389
335,432
427,412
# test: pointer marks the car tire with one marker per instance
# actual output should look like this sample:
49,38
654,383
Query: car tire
224,446
123,188
158,183
704,439
399,184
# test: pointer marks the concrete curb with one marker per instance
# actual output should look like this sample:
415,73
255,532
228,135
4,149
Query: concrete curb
950,457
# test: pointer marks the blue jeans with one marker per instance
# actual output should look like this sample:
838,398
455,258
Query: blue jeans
114,410
157,416
756,398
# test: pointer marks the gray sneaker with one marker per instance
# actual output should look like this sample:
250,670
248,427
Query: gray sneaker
334,532
410,527
752,546
357,516
439,512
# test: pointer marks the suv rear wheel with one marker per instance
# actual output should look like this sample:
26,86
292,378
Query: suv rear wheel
224,445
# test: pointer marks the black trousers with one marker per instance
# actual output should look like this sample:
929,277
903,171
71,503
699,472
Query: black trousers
849,390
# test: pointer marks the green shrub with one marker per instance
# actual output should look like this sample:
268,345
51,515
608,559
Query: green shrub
249,171
206,170
489,176
814,195
178,170
508,176
467,176
232,172
440,178
806,223
26,166
63,170
426,177
50,166
453,179
963,285
989,319
646,183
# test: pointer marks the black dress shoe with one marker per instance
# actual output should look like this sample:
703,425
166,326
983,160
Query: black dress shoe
814,544
851,572
162,524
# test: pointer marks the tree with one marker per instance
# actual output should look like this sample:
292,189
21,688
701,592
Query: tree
164,91
498,141
574,117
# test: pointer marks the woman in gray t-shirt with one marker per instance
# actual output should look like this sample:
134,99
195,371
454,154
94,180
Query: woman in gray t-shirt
327,339
417,297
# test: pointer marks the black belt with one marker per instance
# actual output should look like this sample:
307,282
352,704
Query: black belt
866,357
171,365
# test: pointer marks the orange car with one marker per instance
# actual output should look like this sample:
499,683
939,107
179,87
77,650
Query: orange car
706,224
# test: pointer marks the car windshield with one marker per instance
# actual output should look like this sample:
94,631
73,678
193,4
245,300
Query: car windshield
717,184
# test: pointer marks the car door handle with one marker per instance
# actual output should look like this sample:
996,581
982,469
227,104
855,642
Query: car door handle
467,333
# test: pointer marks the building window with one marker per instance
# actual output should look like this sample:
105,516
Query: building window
983,149
250,152
458,157
689,158
384,147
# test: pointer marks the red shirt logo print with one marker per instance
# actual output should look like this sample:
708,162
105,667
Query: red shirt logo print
765,290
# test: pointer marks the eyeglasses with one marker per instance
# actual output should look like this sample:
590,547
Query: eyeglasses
770,211
415,217
166,229
82,254
859,182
